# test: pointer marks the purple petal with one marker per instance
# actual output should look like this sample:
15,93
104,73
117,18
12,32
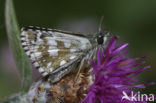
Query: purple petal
114,73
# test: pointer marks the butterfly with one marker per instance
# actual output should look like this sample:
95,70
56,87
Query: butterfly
55,52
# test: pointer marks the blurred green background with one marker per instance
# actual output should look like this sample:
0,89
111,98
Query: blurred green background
133,20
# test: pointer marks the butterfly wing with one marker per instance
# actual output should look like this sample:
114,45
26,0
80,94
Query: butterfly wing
50,50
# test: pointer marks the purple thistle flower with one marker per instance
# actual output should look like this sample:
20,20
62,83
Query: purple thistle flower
114,74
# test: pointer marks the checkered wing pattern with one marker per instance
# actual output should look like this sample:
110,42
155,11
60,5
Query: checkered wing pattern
50,49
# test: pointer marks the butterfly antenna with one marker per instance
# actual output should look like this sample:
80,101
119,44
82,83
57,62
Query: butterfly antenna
101,23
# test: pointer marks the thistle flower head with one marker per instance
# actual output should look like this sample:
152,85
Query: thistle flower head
113,74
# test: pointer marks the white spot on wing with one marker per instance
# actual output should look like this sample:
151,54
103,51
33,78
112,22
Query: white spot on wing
41,70
36,64
38,54
51,41
49,64
67,44
72,57
25,48
52,47
24,43
62,62
73,50
51,69
53,52
45,73
36,47
33,42
32,56
44,60
50,32
38,31
28,52
23,38
44,32
23,34
39,40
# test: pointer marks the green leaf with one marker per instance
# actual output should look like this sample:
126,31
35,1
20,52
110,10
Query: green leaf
13,33
16,98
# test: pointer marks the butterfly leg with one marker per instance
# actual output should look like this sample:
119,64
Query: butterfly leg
80,67
85,62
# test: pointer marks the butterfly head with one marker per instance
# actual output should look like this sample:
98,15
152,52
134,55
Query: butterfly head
101,37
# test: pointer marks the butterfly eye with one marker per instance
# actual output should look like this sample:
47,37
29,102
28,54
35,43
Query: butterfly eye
100,39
